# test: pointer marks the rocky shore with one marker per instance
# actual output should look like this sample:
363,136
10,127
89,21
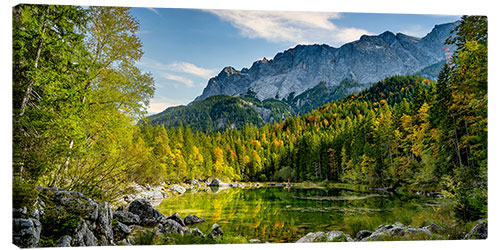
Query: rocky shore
396,231
66,218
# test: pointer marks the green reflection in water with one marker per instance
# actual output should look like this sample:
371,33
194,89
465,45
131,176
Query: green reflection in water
275,214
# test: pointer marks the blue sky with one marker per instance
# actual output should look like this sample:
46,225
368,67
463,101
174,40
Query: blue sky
184,48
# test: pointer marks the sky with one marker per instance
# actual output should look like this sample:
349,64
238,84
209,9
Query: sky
184,48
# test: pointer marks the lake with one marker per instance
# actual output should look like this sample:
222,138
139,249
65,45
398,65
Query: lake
277,214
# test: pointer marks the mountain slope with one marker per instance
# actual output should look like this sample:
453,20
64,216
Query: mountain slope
296,70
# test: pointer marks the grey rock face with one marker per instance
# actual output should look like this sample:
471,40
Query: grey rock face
192,219
370,59
148,215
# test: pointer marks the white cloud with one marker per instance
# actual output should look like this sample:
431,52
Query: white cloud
153,10
157,107
184,67
180,79
283,26
191,69
415,30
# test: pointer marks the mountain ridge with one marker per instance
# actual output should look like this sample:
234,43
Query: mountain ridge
367,60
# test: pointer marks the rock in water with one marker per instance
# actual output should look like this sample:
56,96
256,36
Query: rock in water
148,215
215,183
192,219
178,189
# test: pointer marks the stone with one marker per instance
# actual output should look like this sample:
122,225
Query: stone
479,231
196,232
312,237
433,228
362,234
178,189
26,232
192,219
83,235
104,223
127,218
216,232
171,226
335,236
177,218
148,215
254,241
215,183
64,241
396,231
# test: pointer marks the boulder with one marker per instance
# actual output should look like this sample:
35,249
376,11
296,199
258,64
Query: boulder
196,232
312,237
148,215
479,231
121,231
433,228
83,235
362,235
216,232
26,232
217,183
177,218
337,236
64,241
171,226
192,219
254,241
127,218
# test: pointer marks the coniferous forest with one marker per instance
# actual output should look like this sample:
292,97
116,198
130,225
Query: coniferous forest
79,102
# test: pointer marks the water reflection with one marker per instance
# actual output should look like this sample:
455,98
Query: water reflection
278,214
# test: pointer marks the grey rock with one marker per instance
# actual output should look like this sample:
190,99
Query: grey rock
177,218
170,226
335,236
127,218
362,234
192,219
197,232
312,237
83,235
26,232
104,222
122,228
254,241
64,241
148,215
479,231
396,231
216,232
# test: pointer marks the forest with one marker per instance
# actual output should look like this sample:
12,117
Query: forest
79,102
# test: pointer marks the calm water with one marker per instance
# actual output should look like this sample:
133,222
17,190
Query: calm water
276,214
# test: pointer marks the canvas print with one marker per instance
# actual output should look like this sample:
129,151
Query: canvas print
157,126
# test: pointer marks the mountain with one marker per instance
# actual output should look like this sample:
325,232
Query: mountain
303,78
220,112
299,69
